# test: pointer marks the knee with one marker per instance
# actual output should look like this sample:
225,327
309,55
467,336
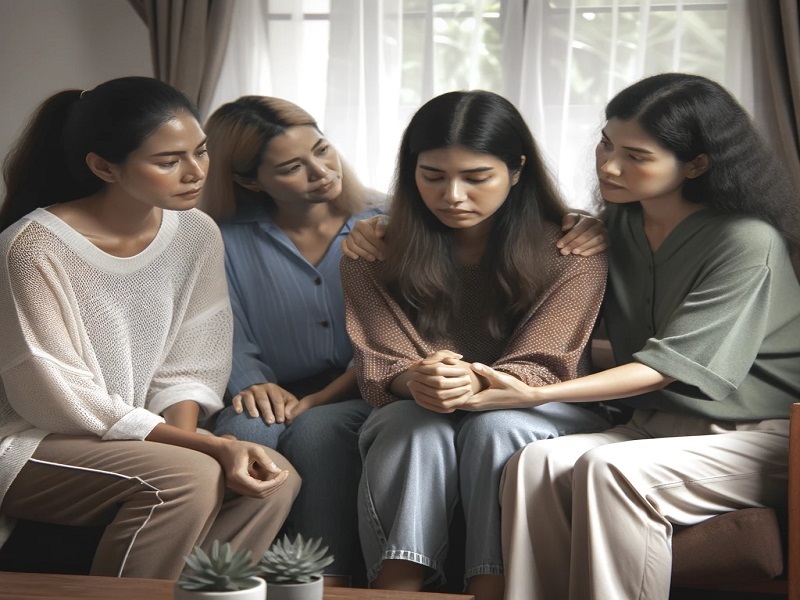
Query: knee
251,429
415,431
191,479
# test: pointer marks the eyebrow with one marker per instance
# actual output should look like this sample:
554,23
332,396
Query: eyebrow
296,158
179,152
631,148
475,170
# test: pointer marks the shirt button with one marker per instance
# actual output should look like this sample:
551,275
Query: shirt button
318,281
325,324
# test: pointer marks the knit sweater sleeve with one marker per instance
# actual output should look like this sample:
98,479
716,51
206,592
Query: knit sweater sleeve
548,345
49,372
197,363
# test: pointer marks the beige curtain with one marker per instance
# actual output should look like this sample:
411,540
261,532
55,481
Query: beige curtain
776,44
187,43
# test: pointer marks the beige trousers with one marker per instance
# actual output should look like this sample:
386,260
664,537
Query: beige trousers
590,515
168,499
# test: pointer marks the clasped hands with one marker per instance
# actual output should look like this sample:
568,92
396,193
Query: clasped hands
444,383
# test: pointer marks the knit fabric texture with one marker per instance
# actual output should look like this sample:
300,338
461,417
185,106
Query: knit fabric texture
94,344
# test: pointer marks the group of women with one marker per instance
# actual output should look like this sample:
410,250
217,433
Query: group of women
439,369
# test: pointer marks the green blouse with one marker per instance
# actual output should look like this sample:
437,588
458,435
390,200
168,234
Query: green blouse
716,307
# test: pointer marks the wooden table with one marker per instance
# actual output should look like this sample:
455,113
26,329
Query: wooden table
37,586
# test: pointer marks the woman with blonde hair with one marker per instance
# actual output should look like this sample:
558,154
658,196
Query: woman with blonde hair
284,201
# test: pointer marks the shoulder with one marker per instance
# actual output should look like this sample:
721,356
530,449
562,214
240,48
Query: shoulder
562,266
743,240
360,268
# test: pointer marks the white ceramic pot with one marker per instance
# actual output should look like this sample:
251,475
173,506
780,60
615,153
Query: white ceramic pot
257,592
296,591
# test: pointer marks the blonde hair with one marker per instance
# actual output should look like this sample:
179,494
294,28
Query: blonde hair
238,135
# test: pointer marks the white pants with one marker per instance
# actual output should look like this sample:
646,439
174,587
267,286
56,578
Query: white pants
590,515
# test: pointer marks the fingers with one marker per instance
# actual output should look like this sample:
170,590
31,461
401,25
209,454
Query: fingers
432,402
587,235
251,471
266,399
441,356
366,239
488,372
291,409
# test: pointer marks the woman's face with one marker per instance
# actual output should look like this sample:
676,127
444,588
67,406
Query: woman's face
461,187
300,167
169,168
633,167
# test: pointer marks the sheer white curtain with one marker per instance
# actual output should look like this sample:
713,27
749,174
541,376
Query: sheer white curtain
362,67
566,58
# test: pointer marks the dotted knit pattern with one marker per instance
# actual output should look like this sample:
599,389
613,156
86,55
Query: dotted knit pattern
98,345
547,345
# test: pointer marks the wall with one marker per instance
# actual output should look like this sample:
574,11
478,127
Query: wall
49,45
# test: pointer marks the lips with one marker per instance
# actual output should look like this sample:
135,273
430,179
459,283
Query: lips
610,184
326,186
191,193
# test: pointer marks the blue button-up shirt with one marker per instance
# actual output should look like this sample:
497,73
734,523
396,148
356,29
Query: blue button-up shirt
288,314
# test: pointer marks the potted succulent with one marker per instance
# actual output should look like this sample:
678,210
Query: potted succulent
293,570
222,574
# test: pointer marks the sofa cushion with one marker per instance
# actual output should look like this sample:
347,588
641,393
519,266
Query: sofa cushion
739,546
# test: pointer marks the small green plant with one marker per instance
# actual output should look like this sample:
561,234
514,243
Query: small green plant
222,570
300,561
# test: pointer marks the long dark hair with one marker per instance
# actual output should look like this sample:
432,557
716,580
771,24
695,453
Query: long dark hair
238,135
47,164
691,115
421,270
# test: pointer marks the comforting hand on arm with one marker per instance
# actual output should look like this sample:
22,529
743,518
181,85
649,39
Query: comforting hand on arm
505,391
441,382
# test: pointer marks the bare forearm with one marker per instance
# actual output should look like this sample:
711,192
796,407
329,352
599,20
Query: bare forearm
624,381
176,436
339,388
183,415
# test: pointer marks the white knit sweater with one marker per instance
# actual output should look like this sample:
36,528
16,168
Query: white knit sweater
92,344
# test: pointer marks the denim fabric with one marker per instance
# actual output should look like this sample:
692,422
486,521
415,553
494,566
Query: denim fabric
322,444
417,464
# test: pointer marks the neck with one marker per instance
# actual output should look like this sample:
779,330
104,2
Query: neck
309,216
122,216
660,216
471,243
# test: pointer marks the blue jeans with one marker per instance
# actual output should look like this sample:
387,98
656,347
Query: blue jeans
322,444
418,464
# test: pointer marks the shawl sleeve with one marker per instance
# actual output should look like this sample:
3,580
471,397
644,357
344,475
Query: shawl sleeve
385,342
549,343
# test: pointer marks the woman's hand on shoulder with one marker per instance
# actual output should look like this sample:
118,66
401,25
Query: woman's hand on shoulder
585,235
269,400
503,391
248,468
366,239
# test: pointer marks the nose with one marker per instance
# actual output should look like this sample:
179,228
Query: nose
195,170
609,166
317,170
455,192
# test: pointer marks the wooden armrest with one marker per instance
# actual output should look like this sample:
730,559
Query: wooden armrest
793,562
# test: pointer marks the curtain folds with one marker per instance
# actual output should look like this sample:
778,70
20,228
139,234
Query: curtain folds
776,35
187,42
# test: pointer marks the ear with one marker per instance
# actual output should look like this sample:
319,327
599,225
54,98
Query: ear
698,166
248,184
518,171
101,167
